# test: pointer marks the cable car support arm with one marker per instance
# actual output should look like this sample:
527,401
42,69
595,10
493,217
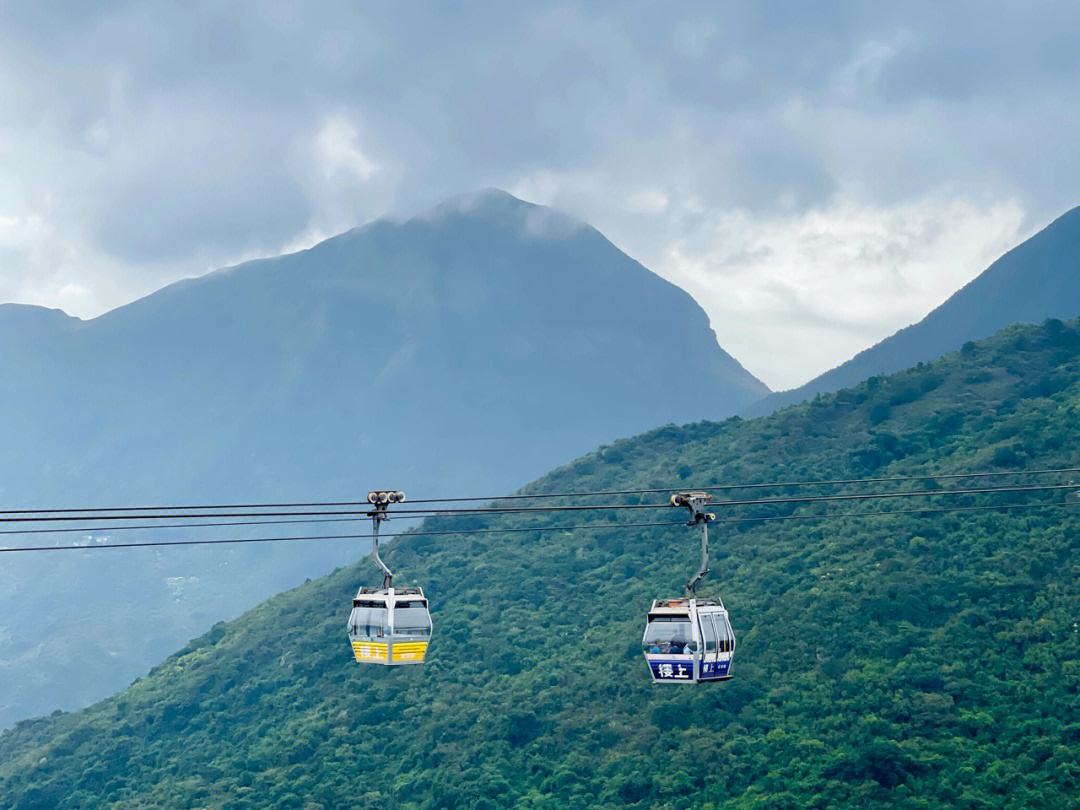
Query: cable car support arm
696,502
380,500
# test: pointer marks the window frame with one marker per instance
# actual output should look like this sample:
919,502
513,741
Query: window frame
361,629
709,639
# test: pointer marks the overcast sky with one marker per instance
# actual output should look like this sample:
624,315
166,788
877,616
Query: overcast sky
816,177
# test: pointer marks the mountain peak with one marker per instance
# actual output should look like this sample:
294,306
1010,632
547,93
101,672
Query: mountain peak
501,209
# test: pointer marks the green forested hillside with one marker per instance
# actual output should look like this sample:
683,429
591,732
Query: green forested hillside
916,661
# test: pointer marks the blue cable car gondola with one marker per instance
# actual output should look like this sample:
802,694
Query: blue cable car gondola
689,639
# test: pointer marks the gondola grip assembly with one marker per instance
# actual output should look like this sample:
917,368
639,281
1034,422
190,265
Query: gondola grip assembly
381,499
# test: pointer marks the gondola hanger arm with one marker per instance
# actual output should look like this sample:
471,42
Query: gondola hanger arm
696,503
380,500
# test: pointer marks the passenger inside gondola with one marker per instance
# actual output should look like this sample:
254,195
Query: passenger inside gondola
668,635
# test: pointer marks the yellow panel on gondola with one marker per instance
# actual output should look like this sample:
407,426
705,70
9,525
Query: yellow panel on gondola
369,651
409,650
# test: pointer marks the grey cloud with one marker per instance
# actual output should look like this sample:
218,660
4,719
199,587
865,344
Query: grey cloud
963,50
165,138
203,181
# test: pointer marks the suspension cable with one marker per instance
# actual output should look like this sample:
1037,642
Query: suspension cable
540,495
778,485
144,526
418,533
491,510
541,529
418,514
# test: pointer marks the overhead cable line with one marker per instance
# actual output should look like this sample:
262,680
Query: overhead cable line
779,485
492,510
922,493
180,508
887,512
364,505
858,496
417,514
540,529
419,533
144,526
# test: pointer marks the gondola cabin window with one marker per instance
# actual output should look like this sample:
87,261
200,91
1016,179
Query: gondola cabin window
708,633
412,621
369,622
668,634
727,642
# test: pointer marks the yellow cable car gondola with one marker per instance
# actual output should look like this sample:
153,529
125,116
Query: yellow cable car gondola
388,625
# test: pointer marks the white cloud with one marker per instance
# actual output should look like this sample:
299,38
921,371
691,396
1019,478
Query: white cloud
543,223
98,136
647,201
73,297
338,150
794,295
21,232
865,67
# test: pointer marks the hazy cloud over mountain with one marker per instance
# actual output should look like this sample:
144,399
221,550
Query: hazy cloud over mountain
817,177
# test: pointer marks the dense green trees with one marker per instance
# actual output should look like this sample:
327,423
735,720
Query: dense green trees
917,660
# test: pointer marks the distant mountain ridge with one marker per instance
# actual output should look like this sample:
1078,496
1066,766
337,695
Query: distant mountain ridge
1038,279
463,351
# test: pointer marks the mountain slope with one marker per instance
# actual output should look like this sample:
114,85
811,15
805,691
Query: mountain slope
1036,280
913,661
467,350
